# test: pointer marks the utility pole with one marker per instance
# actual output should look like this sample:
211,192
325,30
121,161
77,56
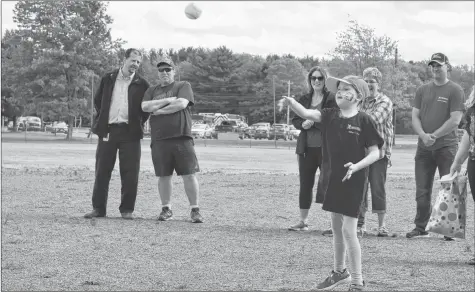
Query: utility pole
273,90
288,106
92,105
394,97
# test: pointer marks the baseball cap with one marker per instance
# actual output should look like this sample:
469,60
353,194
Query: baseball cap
358,83
439,58
164,59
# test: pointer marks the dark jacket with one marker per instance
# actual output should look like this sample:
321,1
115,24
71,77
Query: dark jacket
306,100
102,103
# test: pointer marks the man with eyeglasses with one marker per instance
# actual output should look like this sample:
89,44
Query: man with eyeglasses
172,144
380,108
119,124
436,114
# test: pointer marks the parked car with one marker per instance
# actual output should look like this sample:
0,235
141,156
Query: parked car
226,126
59,127
247,132
294,133
279,131
202,131
262,132
31,123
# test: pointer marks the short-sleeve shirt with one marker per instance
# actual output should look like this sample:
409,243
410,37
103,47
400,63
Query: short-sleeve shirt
346,140
173,125
435,103
470,129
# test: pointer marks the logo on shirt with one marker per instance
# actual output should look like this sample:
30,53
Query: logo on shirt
443,99
163,95
353,129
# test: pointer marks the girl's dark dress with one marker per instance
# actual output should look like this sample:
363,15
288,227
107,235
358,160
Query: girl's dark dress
346,140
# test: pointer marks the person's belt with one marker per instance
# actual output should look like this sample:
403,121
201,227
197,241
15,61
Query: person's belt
118,125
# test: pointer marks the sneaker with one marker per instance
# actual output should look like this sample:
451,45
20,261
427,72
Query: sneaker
301,226
383,231
166,214
356,287
417,233
328,232
127,215
196,216
361,230
93,214
471,262
446,238
335,279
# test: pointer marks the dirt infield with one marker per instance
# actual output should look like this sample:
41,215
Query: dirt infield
249,198
237,159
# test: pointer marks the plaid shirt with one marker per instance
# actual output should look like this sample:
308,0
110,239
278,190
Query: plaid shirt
380,109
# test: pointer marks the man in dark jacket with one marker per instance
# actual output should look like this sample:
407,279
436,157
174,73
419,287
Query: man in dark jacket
119,125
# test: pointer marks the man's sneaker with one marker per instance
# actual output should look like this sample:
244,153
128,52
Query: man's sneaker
383,231
301,226
447,238
335,279
328,232
196,216
356,287
93,214
361,230
166,214
417,233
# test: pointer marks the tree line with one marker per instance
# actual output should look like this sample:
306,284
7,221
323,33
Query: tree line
52,64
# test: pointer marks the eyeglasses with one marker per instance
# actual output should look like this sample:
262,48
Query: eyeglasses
371,81
164,70
319,78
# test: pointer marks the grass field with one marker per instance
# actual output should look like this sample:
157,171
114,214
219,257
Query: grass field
249,198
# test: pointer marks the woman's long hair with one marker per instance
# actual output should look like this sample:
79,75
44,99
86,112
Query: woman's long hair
471,99
324,73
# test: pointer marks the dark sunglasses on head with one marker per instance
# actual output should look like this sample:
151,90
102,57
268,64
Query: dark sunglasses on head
164,70
319,78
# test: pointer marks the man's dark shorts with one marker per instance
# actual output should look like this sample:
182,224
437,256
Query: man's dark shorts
176,154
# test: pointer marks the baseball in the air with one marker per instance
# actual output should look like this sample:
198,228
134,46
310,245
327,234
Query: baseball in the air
192,11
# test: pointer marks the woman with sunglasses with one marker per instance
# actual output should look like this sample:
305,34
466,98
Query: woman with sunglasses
309,144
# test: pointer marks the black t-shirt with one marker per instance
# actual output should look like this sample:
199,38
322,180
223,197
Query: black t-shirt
346,140
173,125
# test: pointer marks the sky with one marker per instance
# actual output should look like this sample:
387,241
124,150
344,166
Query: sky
296,27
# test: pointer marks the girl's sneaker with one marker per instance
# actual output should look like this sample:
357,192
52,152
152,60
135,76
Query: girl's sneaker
471,262
356,287
335,279
301,226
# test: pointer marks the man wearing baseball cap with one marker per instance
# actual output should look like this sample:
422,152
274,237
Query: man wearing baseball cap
172,143
436,114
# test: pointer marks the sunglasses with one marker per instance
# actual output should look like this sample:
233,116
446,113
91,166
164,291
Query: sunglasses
164,70
319,78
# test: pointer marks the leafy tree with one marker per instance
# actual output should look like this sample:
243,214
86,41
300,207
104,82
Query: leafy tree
360,46
71,43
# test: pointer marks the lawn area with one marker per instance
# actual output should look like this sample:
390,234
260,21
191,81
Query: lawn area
249,196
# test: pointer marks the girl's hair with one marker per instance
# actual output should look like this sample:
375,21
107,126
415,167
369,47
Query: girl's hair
324,73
